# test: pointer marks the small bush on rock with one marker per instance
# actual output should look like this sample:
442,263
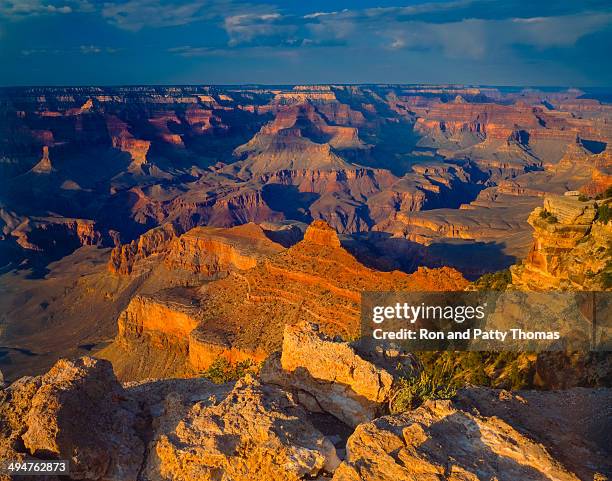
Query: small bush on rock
222,371
604,213
495,281
413,389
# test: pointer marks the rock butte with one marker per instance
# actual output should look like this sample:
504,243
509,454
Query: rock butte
257,286
570,248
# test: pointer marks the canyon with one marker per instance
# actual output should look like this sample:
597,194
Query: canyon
156,238
254,288
375,158
233,211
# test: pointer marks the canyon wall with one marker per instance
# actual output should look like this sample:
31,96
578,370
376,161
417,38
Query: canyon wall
571,247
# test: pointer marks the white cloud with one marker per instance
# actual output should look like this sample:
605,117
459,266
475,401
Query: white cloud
259,28
189,51
22,8
136,14
89,49
397,43
82,49
558,31
403,28
477,38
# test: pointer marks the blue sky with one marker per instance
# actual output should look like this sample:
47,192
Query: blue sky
84,42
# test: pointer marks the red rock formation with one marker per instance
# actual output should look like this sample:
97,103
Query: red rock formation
161,120
241,315
298,137
320,233
123,140
201,120
464,124
206,349
156,241
298,97
157,318
488,120
44,166
214,251
52,235
601,177
569,248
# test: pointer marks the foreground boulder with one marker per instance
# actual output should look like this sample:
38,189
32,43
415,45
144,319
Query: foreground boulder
15,402
329,375
257,433
574,424
439,442
253,431
76,411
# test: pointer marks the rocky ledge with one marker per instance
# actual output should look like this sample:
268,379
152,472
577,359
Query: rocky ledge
299,424
571,248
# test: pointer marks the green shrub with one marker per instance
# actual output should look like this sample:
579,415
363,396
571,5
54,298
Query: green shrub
544,214
495,281
222,371
412,389
604,213
519,379
506,370
583,198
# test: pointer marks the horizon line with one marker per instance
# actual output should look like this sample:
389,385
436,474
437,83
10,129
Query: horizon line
312,84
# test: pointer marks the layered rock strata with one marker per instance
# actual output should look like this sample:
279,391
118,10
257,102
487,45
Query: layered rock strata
571,247
258,288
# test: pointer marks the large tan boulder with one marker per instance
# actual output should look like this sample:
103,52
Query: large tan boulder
329,375
257,433
76,411
570,210
570,248
15,402
439,442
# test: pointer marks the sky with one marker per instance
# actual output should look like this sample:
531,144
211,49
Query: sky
127,42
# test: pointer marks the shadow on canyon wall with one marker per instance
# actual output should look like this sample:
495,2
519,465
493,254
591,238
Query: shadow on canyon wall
381,251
